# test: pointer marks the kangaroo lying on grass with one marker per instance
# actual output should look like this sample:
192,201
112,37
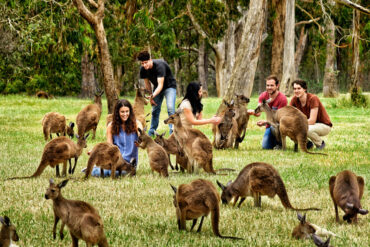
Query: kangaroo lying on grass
287,121
54,122
81,218
241,117
225,133
88,118
172,147
60,150
197,199
346,190
256,180
305,229
43,95
107,156
158,158
8,232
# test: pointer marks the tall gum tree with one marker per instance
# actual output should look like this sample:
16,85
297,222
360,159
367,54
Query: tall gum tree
96,22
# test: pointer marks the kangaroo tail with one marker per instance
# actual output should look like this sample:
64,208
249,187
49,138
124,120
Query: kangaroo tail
283,195
303,146
13,178
215,214
225,169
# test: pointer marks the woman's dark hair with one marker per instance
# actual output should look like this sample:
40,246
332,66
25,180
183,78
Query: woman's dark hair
302,83
129,125
193,97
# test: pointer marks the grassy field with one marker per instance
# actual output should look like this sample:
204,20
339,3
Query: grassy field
139,211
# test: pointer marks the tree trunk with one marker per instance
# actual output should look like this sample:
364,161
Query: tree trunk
277,51
288,64
177,64
330,76
202,59
242,77
88,85
301,46
355,52
96,21
118,73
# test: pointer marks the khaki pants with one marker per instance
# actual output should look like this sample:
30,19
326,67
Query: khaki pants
316,131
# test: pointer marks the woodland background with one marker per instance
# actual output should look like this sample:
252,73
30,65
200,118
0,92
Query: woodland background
47,45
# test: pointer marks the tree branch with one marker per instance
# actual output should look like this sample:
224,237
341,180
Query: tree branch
354,6
85,12
307,22
195,23
93,3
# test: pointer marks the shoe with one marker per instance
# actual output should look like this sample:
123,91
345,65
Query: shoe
277,147
321,147
309,144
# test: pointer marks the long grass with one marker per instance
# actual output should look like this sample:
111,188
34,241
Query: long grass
139,211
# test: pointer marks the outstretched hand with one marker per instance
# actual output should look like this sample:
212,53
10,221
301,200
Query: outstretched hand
261,123
152,102
216,120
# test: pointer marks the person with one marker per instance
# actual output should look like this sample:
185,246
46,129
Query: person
158,72
277,101
319,123
122,132
192,107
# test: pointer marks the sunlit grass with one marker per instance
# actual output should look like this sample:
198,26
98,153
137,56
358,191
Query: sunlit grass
139,212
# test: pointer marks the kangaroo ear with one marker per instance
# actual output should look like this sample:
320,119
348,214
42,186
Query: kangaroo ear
51,181
63,183
221,185
173,188
86,136
71,124
2,220
232,103
301,218
327,242
163,134
228,183
77,136
363,211
7,220
317,240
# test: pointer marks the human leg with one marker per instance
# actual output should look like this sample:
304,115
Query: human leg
170,94
156,110
268,140
317,130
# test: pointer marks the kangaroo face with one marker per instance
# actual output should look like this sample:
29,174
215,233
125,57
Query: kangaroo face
10,228
242,99
351,212
226,196
173,119
159,140
52,191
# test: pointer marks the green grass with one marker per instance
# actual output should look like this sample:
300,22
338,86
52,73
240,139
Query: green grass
139,211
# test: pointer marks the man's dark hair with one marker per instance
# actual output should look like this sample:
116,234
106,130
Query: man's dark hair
273,77
143,56
302,83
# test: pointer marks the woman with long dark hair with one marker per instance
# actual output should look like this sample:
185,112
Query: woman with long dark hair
122,132
192,107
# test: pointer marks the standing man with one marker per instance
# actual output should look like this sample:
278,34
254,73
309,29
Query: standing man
157,72
319,123
277,101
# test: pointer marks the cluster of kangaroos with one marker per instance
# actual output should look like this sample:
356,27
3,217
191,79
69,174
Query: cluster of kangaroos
193,151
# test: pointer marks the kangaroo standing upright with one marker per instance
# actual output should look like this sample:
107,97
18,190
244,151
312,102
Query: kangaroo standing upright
197,199
256,180
241,117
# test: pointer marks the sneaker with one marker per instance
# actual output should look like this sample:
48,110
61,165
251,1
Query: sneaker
321,147
309,144
277,147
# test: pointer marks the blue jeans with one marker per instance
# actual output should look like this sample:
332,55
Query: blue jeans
170,94
269,141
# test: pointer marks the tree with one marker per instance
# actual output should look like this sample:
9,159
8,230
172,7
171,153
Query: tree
96,22
277,51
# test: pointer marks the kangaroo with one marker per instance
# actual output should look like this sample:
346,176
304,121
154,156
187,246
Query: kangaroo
138,107
43,95
257,179
57,151
287,121
54,122
197,199
172,147
158,158
346,190
107,156
88,118
305,229
225,133
195,144
81,218
241,117
8,232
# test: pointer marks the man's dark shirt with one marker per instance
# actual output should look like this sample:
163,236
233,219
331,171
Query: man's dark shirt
160,69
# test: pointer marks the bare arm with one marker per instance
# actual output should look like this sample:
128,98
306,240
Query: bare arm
159,88
193,121
313,116
109,134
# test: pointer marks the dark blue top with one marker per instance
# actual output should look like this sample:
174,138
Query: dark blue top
160,69
125,143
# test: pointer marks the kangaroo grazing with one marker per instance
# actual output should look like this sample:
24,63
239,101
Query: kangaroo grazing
81,218
241,117
172,147
346,190
287,121
257,179
158,158
197,199
88,118
57,151
8,232
195,144
54,122
107,156
225,133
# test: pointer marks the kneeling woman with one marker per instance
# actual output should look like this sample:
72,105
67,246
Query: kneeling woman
122,132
